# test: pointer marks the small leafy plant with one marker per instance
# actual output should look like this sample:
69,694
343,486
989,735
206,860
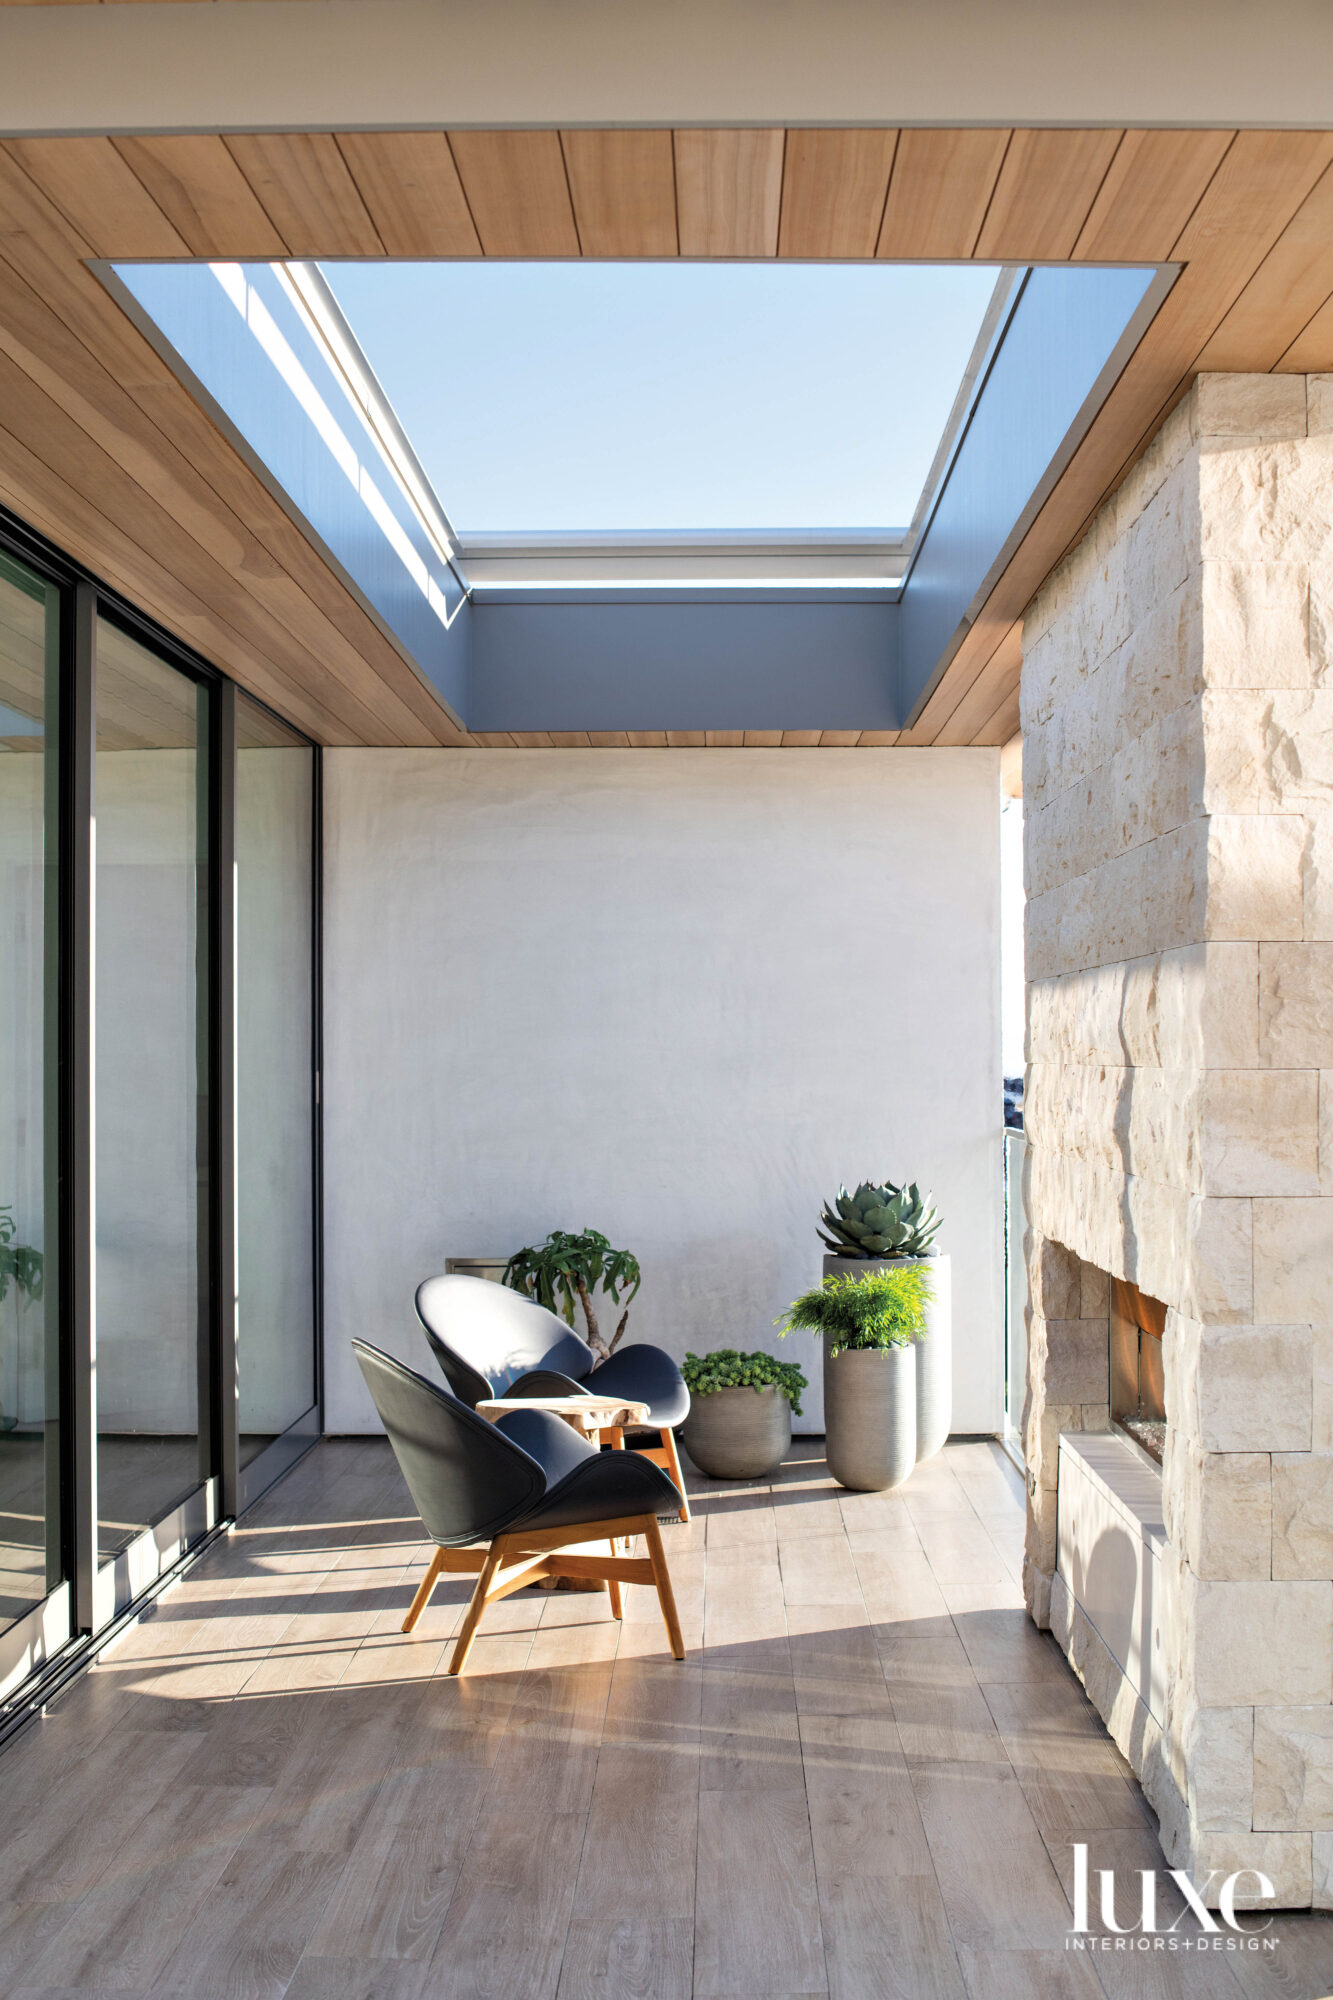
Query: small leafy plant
726,1368
881,1310
567,1267
18,1261
885,1221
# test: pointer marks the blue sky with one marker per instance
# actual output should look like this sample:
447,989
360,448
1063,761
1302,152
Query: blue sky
669,396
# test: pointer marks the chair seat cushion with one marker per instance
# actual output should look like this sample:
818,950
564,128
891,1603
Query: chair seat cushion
644,1374
599,1485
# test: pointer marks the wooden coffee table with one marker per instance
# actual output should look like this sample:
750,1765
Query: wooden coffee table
594,1417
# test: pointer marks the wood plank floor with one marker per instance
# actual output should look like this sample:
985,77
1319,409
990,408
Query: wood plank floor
862,1783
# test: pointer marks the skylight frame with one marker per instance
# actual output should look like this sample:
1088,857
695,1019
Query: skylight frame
525,559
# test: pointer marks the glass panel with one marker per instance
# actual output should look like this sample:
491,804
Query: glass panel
151,1017
30,1529
274,1077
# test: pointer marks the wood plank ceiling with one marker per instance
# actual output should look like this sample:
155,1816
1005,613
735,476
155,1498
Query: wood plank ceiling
102,449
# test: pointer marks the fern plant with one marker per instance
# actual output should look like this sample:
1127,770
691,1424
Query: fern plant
884,1309
569,1267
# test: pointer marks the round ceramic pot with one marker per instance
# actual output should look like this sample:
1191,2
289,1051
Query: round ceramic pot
738,1433
934,1350
870,1416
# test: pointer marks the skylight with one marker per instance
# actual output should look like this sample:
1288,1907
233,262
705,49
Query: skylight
674,398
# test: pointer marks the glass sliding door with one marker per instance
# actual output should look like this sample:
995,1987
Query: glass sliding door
275,1157
151,1019
31,1563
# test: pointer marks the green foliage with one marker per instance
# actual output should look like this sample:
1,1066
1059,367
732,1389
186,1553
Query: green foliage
17,1260
567,1267
882,1309
883,1221
725,1368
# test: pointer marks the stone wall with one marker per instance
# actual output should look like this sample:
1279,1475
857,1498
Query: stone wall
1178,767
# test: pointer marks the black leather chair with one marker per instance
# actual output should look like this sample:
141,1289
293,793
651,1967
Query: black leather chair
501,1501
492,1341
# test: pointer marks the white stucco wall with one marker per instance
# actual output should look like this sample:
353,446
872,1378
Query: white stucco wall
674,995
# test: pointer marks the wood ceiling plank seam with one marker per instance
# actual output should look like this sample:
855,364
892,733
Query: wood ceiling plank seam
412,192
928,167
493,739
990,198
647,739
675,190
83,306
1049,174
608,739
201,190
835,185
517,174
956,689
1289,287
46,500
199,569
531,739
304,186
1139,182
50,354
467,200
800,739
569,192
686,739
623,189
570,739
1311,353
878,739
839,739
99,195
1001,727
997,678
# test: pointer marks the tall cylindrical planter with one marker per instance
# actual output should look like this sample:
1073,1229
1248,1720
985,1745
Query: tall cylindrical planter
738,1433
934,1351
870,1416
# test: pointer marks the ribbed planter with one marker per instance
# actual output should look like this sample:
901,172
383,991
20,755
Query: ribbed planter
738,1433
870,1416
934,1351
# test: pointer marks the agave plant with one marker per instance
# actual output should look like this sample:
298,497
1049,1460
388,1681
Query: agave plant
885,1221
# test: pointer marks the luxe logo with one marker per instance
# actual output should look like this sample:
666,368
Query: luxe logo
1145,1932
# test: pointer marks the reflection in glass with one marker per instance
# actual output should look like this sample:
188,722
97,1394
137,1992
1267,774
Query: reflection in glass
151,1018
274,1076
29,1346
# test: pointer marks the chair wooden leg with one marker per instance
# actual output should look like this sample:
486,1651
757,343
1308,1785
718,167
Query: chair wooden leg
613,1586
468,1630
673,1467
666,1597
424,1589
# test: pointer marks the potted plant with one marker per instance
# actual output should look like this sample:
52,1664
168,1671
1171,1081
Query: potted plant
871,1325
883,1227
567,1267
22,1265
741,1405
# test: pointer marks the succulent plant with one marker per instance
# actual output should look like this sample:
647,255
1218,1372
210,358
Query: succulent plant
883,1221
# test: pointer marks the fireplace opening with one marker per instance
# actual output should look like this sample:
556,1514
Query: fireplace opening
1137,1324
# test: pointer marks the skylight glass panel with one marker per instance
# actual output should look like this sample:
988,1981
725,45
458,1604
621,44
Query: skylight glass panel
588,398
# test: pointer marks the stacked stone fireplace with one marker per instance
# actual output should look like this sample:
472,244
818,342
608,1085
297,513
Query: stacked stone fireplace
1178,776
